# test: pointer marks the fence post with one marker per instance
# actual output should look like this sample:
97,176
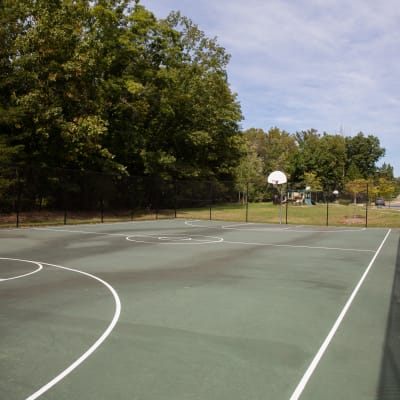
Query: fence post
65,203
287,204
326,193
366,208
327,210
131,186
65,209
17,204
247,202
211,199
175,197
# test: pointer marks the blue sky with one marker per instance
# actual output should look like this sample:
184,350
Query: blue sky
331,65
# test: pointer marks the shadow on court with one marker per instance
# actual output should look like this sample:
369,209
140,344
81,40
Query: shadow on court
389,385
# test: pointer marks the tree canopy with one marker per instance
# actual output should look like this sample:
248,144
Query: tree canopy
105,86
332,160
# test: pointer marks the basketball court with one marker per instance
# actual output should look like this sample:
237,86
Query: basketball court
177,309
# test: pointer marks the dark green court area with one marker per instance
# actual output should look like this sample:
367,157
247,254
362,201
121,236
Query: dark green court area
199,310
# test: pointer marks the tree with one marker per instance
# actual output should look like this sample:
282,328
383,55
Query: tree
362,154
192,127
306,158
382,188
258,140
11,25
280,149
58,66
331,154
386,171
311,180
100,85
249,175
274,148
356,187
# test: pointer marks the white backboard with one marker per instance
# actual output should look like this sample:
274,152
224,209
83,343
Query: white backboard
277,178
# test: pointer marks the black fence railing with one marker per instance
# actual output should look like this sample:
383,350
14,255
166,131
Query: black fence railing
58,196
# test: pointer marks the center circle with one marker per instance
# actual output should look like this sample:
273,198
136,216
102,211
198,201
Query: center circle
174,239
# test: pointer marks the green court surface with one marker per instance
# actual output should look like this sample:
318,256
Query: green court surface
182,310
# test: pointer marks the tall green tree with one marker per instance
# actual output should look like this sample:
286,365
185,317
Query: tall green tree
280,150
331,160
258,140
362,154
275,148
250,176
306,159
386,171
192,126
59,62
11,26
103,85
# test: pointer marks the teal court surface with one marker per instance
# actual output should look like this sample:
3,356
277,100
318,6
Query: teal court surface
190,310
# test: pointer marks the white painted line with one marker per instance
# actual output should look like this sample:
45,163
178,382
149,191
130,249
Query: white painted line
95,345
329,230
145,221
232,226
192,224
295,229
173,239
39,268
300,246
167,238
257,228
314,363
83,232
243,227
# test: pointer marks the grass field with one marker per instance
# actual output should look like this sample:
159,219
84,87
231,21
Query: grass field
320,214
335,214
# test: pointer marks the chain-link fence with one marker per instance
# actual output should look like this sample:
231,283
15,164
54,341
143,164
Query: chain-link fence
31,196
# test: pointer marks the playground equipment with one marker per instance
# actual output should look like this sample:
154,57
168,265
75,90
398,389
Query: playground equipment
299,196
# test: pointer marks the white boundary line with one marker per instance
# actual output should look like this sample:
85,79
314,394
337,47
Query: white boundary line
314,363
295,229
130,238
95,345
277,228
39,268
189,239
78,231
300,246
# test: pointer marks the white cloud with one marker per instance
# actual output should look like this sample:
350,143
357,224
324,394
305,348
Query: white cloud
322,64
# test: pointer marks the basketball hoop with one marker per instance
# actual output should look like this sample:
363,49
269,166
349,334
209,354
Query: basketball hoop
278,178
